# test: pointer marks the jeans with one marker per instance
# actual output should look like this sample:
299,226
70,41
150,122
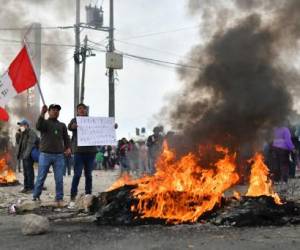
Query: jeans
281,164
68,165
124,163
45,161
151,164
28,173
86,162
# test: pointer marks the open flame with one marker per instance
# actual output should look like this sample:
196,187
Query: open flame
7,175
125,179
183,190
260,183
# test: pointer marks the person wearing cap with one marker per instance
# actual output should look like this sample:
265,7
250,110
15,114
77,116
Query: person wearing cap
154,144
84,158
26,142
55,142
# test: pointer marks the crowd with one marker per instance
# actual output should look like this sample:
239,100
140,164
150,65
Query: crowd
54,151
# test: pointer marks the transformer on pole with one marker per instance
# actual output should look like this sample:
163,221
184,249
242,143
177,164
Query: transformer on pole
94,20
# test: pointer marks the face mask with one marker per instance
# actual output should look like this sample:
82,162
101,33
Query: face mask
22,129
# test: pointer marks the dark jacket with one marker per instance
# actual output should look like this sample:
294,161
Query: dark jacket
154,144
26,142
122,149
79,149
54,136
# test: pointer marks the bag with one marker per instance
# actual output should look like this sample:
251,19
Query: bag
35,153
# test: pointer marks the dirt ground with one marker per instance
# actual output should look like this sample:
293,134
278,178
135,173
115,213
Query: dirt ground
86,236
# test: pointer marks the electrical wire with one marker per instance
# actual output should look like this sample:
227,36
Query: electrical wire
153,60
42,44
163,66
154,49
161,61
158,33
40,28
98,43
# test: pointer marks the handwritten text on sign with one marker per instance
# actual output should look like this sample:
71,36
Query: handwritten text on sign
96,131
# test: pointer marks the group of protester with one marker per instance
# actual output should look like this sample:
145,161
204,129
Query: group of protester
139,157
55,149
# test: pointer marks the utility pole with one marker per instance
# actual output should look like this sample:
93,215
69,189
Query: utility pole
111,48
84,55
76,64
95,21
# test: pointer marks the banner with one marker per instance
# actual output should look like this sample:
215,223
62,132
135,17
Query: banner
96,131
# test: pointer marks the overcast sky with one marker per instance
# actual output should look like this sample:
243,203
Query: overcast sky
141,88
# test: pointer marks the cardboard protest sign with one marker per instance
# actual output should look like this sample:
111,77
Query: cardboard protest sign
96,131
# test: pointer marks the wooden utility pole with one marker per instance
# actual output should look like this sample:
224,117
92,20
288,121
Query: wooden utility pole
76,64
83,69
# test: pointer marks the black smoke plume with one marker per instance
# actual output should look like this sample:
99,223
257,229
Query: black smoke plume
247,81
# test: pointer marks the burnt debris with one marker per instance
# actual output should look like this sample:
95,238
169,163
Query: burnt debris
114,208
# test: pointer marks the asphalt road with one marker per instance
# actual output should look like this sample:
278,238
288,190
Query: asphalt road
89,236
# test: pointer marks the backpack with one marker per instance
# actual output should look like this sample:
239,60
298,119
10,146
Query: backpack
35,152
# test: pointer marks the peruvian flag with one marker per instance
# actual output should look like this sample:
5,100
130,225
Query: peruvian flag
19,77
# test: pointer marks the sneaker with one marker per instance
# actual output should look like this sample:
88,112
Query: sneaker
71,205
23,191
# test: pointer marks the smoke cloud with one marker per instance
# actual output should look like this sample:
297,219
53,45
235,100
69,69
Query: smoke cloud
21,13
247,80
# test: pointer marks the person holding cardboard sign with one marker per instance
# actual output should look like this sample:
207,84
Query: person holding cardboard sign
84,157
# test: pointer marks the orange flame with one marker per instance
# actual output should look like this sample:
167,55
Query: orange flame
7,175
125,179
260,184
236,195
181,191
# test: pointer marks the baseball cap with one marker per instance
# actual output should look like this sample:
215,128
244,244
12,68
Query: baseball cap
23,122
54,106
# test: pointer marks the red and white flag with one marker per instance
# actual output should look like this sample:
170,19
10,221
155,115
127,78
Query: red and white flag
19,77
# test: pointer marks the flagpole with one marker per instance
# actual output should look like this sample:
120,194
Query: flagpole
37,80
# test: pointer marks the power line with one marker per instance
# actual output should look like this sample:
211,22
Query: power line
153,60
161,61
154,49
42,44
164,66
42,28
160,33
98,43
